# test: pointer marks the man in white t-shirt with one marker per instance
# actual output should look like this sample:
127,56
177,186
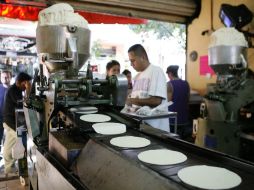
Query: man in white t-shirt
149,85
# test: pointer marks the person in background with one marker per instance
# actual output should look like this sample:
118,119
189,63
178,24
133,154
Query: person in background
149,85
127,73
30,68
13,100
5,84
179,94
21,67
2,65
113,68
8,65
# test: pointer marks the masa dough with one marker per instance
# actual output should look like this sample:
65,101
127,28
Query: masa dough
227,36
61,14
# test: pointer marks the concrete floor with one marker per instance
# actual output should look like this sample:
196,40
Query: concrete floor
11,183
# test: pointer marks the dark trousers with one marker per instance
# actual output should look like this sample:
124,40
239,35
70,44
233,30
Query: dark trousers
183,130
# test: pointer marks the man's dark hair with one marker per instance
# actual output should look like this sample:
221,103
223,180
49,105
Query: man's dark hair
23,77
138,50
5,71
112,64
173,69
126,72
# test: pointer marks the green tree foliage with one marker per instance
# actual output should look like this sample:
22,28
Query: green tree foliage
96,48
163,30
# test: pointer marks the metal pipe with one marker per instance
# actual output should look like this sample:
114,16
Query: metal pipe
74,81
71,89
100,81
71,81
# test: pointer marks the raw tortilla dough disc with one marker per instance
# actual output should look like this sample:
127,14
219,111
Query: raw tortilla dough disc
84,110
130,142
109,128
95,118
209,177
162,157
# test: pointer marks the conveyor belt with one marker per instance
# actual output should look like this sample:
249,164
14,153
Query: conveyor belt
196,156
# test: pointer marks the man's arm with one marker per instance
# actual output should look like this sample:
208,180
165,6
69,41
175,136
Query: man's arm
169,91
28,89
152,101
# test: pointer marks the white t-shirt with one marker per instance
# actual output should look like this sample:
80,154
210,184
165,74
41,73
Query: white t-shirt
152,82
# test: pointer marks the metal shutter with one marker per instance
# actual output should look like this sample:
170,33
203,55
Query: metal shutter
180,11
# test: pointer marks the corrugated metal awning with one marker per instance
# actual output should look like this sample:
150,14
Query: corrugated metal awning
180,11
30,13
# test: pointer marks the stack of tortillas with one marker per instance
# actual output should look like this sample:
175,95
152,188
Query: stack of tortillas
130,142
101,125
209,177
162,157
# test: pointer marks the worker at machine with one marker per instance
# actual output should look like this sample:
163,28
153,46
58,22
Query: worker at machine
127,73
5,80
113,68
179,94
13,100
149,87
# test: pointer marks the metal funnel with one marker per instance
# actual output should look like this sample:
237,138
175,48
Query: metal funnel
63,47
226,59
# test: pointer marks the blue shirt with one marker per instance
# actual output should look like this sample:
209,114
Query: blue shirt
3,91
180,99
